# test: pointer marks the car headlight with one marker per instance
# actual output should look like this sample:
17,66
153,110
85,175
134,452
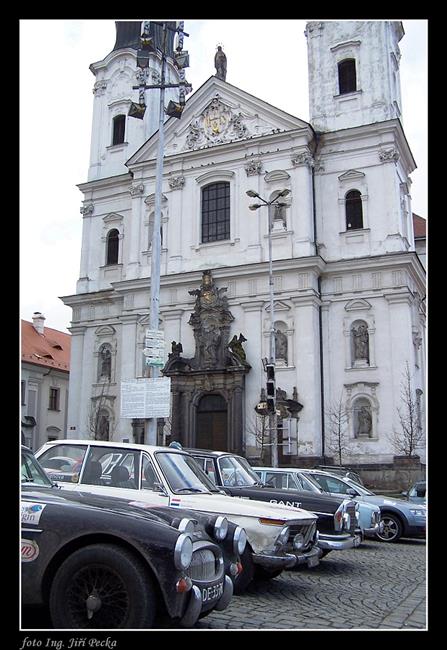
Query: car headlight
417,512
239,540
220,528
186,525
298,541
283,537
347,520
183,552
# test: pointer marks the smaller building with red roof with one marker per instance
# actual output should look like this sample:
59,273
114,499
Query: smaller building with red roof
45,371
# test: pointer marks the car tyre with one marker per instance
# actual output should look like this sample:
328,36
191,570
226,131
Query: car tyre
392,528
244,578
102,586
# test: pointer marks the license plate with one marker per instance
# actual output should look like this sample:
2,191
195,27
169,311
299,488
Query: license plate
313,561
211,593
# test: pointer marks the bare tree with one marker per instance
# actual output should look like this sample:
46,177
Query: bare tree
337,428
410,436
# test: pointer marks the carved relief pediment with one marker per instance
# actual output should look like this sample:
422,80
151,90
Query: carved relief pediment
357,305
351,175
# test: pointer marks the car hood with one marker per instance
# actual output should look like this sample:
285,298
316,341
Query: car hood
311,501
381,500
88,500
230,505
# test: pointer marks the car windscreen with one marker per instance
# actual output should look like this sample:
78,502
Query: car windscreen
236,471
31,472
183,473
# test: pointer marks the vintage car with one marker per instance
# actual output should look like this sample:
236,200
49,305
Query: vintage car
399,518
337,518
344,472
417,493
98,562
278,537
286,478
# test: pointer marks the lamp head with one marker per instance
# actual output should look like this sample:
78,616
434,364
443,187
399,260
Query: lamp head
252,194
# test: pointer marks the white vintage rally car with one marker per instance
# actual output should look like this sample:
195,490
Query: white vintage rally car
279,537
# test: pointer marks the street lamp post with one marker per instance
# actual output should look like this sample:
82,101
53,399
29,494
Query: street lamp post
273,427
181,60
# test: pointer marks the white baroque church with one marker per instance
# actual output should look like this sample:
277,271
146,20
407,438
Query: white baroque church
349,287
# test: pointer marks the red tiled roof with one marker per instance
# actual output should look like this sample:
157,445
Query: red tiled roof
51,349
419,226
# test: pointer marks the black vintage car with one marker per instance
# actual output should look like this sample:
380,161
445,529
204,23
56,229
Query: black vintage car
337,519
101,563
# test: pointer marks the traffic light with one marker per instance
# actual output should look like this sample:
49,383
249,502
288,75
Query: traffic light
271,388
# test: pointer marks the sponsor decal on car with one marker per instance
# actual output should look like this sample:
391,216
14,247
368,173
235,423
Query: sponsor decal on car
294,504
174,501
29,550
31,512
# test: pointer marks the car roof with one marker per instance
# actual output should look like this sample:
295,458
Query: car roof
209,452
111,444
277,469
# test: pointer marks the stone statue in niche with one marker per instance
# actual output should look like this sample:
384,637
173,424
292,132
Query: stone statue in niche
105,363
364,422
361,342
281,344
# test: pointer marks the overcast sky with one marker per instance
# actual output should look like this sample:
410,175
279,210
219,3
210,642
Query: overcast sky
267,58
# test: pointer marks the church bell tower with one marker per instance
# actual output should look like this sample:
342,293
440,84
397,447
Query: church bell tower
115,134
353,72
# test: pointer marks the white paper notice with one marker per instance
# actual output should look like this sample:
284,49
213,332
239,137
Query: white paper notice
146,398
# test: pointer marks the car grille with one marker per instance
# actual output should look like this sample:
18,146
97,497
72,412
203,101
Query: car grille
308,532
204,565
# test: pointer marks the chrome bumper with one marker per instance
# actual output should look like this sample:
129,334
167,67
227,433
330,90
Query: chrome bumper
224,600
195,603
193,609
338,542
285,561
311,558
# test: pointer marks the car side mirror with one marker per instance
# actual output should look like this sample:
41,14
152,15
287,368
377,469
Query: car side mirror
159,487
351,492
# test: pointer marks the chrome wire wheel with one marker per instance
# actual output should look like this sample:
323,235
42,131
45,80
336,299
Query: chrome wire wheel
98,597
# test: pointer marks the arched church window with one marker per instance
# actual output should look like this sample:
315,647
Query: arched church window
105,363
215,212
347,81
354,210
119,128
363,424
112,247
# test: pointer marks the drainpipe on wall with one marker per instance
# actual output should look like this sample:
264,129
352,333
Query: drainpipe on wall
320,322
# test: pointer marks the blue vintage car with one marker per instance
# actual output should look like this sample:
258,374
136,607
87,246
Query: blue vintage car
400,518
293,479
97,562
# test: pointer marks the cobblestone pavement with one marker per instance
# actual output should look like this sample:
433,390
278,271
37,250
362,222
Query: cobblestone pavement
376,586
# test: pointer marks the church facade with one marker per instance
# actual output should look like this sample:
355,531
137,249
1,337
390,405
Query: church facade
348,285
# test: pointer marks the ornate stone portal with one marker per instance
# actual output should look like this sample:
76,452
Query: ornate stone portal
208,389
